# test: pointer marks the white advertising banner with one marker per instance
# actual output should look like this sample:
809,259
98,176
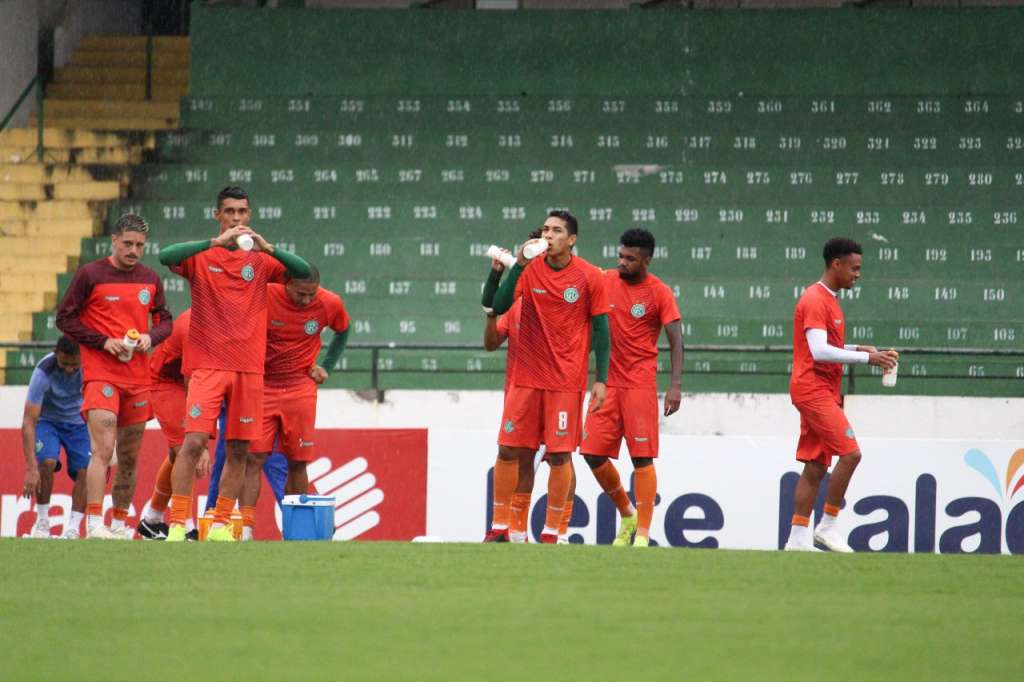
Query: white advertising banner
736,492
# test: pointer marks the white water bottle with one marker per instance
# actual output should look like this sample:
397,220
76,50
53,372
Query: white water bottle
130,340
495,253
244,242
889,375
535,248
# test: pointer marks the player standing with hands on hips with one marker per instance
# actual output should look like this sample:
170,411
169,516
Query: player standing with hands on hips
819,353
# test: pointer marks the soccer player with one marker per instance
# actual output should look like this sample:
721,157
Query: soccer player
168,372
226,346
107,301
296,314
819,352
53,420
641,305
564,309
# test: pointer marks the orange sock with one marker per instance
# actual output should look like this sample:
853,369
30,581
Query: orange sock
94,509
559,481
645,483
506,475
222,512
248,516
801,520
563,525
520,512
831,509
181,506
119,514
608,478
162,487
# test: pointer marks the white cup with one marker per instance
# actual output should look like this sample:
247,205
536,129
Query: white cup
889,376
244,242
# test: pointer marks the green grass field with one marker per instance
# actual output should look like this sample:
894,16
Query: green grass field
350,611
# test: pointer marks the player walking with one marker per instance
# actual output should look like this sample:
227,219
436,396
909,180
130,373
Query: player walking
107,307
641,305
819,352
226,346
296,314
564,309
53,420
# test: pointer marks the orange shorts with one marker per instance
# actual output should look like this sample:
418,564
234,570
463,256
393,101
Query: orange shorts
630,413
169,407
824,431
243,392
131,404
289,415
533,416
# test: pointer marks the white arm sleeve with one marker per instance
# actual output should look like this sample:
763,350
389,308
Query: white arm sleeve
817,341
850,346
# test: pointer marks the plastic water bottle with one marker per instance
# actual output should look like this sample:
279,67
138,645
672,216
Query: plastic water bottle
130,340
495,253
244,242
535,248
889,375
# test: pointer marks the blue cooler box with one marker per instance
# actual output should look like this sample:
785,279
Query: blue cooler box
307,517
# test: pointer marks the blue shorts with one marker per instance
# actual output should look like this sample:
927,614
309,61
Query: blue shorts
74,438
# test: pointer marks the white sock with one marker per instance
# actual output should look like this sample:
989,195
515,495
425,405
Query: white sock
548,530
800,535
827,522
150,515
563,538
93,521
116,524
246,534
499,526
190,525
43,515
517,537
75,521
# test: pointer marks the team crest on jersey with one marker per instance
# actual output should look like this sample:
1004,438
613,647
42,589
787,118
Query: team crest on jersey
849,432
144,296
107,391
248,272
311,327
637,310
194,412
509,426
39,446
571,295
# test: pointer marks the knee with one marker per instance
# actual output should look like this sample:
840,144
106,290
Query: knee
852,459
558,459
814,472
642,462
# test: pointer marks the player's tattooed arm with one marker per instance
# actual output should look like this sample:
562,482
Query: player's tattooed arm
674,395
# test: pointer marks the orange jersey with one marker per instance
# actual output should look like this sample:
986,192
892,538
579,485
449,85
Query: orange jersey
508,324
166,364
638,313
293,334
554,324
229,307
818,308
104,302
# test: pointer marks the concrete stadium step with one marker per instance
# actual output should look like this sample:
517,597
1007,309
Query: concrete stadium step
123,74
27,301
57,137
31,246
116,124
28,281
110,43
16,326
88,108
50,263
49,210
114,91
81,228
34,172
96,156
134,57
64,191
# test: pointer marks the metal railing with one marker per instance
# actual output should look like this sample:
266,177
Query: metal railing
852,372
37,83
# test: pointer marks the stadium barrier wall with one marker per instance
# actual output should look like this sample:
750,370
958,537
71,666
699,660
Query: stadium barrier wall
939,474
